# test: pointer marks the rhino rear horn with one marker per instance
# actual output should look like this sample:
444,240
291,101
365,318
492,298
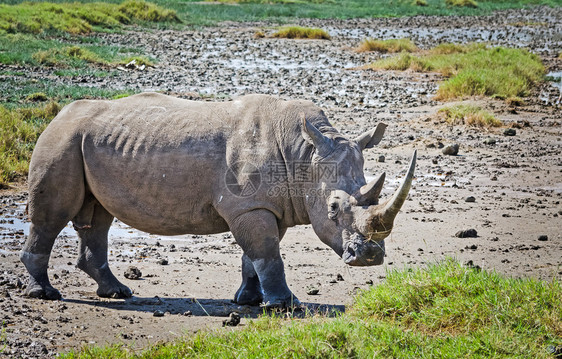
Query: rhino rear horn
391,208
368,195
371,138
310,133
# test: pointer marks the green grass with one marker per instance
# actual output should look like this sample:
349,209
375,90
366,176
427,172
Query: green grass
389,45
298,32
26,49
196,12
474,70
462,3
19,130
470,115
446,310
78,18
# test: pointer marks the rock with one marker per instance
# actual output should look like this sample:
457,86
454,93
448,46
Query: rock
509,132
158,313
133,273
188,313
543,238
381,158
490,141
163,262
470,199
232,321
339,277
434,161
451,150
312,290
467,233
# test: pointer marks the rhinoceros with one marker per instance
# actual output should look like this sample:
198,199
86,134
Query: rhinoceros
254,166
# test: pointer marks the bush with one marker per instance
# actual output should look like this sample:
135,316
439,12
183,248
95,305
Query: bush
297,32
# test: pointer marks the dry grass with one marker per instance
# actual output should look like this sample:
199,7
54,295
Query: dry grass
470,115
462,3
298,32
390,45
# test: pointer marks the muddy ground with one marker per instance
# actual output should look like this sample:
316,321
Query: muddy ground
515,182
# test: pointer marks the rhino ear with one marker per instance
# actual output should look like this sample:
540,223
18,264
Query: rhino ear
312,135
372,137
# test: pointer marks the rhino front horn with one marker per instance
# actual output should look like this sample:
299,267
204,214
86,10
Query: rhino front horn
391,208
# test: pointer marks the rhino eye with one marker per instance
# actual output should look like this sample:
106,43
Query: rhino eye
333,211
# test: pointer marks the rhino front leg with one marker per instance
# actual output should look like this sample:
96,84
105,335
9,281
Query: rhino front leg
250,291
258,235
93,255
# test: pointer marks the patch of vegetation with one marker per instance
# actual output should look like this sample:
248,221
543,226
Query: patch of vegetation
300,2
462,3
474,70
78,18
19,130
420,2
470,115
298,32
37,97
389,45
446,310
25,49
137,61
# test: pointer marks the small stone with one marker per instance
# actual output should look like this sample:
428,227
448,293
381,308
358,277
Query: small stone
543,238
339,278
312,291
232,321
451,150
509,132
434,161
158,313
133,273
470,199
163,262
381,158
467,233
490,141
188,313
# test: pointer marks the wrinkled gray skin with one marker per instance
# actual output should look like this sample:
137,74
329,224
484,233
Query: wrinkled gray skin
158,163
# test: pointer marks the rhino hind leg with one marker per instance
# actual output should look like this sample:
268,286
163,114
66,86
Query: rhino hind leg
258,235
35,256
250,292
93,251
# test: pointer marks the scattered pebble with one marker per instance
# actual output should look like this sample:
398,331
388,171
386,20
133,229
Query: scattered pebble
232,321
467,233
133,273
381,158
543,238
162,261
158,313
470,199
312,291
510,132
451,150
490,141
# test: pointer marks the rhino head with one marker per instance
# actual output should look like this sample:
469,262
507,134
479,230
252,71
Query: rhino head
347,215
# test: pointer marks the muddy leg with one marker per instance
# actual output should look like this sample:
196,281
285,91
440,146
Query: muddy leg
258,235
250,291
35,256
93,255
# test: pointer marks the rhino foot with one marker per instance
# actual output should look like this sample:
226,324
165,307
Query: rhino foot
47,292
247,297
115,291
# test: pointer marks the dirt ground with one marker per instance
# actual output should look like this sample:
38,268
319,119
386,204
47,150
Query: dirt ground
507,188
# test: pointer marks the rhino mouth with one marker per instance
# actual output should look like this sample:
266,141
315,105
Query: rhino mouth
363,252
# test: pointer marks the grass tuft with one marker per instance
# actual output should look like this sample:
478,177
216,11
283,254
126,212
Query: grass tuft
420,2
445,310
462,3
19,130
78,18
470,115
474,70
298,32
390,45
